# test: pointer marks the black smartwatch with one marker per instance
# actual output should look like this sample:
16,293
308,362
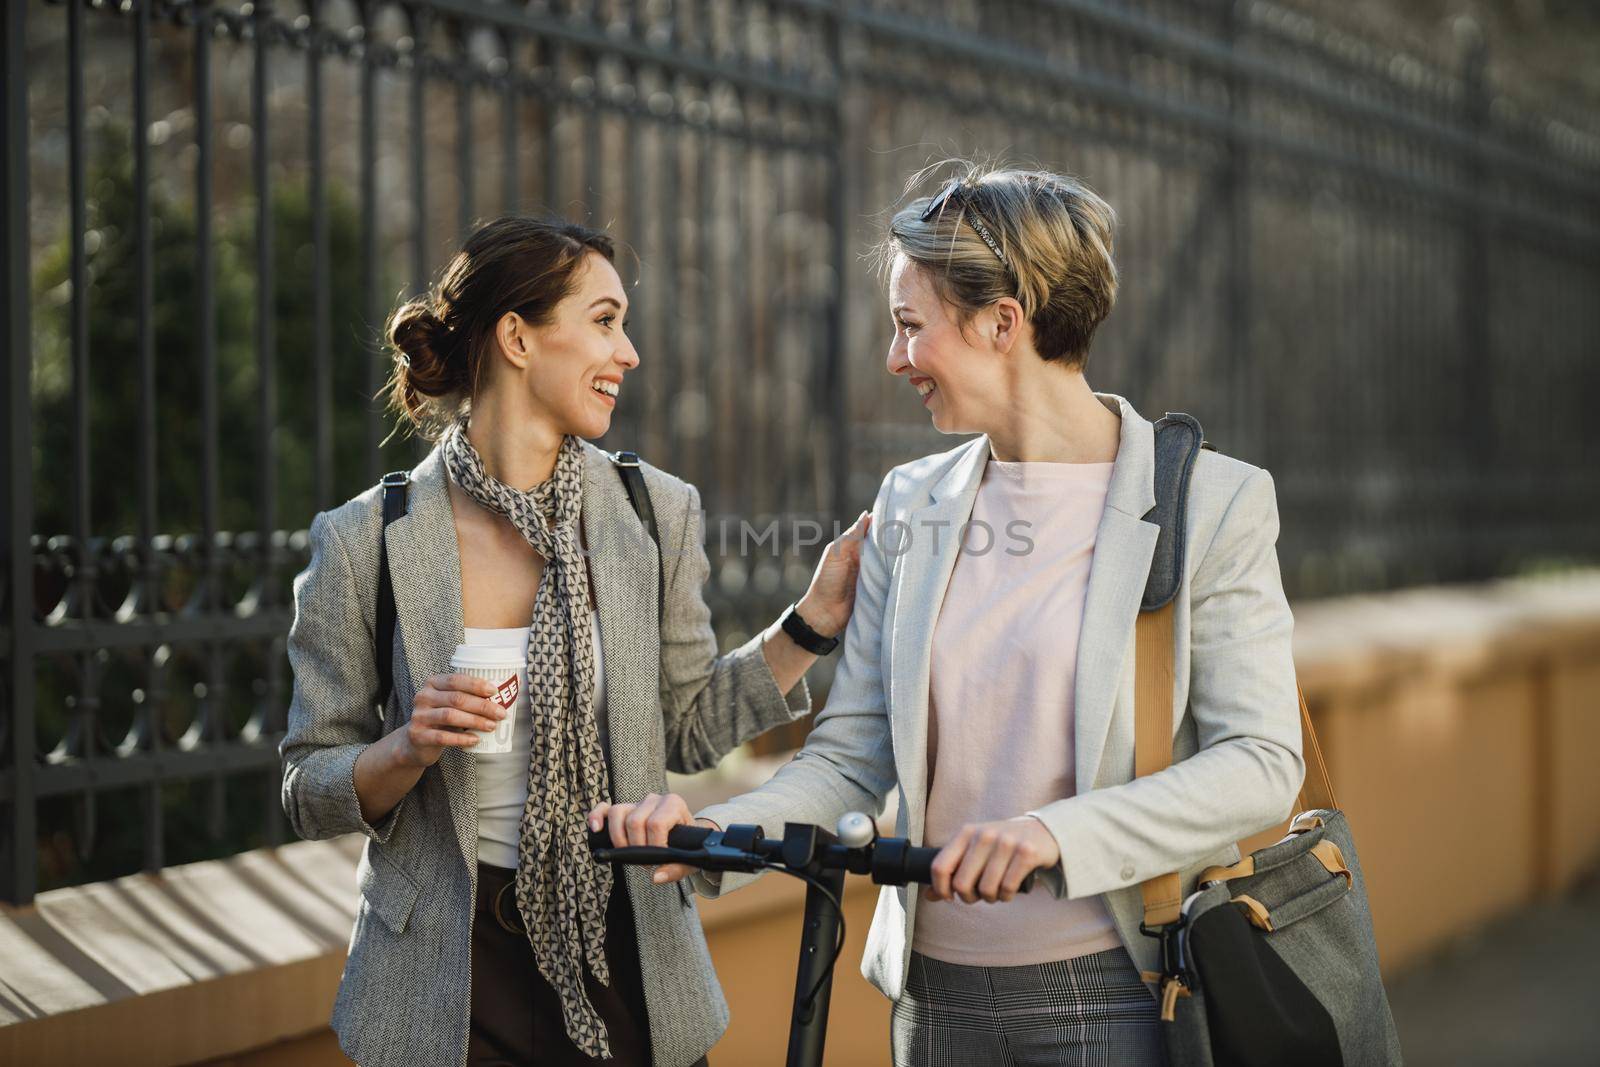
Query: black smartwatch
805,636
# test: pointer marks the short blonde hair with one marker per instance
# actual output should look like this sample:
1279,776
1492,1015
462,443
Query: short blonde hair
1054,232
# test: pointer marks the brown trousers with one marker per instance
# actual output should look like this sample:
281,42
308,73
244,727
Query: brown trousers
516,1015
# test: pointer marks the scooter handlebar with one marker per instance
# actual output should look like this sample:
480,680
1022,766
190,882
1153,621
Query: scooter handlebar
894,860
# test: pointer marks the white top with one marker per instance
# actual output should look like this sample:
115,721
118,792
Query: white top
503,777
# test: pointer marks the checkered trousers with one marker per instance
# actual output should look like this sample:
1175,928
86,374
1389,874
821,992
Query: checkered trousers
1081,1012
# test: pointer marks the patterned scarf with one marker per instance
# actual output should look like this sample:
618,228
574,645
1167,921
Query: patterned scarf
561,892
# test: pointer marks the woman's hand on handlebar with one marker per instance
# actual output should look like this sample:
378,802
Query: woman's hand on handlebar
648,823
989,860
444,715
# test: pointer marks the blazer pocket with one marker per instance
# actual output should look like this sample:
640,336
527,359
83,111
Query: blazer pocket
388,889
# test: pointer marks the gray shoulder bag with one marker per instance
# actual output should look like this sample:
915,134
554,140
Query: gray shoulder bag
1270,961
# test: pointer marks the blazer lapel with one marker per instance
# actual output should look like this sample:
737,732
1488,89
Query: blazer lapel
1124,545
622,570
931,544
425,561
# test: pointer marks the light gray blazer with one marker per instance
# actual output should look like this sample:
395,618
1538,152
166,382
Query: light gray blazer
1236,760
673,704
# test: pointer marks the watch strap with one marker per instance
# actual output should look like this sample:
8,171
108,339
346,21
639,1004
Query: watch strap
805,636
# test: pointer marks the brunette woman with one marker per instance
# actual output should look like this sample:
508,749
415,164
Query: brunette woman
485,933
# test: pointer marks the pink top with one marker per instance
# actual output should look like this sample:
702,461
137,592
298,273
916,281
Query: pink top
1000,701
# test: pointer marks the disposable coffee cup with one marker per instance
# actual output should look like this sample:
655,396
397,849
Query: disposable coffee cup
502,666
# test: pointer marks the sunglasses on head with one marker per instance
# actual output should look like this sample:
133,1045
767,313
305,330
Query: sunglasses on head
957,190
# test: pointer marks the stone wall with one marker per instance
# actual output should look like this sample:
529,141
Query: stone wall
1458,724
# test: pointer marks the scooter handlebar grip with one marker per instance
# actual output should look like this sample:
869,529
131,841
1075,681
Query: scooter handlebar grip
682,837
688,836
918,867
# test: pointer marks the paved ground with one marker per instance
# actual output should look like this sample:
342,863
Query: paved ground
1525,990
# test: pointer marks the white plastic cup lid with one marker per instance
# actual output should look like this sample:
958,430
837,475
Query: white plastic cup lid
487,657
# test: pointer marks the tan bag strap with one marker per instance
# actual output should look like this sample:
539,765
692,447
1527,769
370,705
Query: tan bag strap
1317,790
1152,744
1152,737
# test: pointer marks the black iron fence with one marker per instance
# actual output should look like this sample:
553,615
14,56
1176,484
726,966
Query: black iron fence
1371,272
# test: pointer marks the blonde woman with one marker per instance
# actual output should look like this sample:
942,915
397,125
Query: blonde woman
988,670
485,932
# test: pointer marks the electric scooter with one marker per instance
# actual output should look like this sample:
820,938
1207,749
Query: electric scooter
818,858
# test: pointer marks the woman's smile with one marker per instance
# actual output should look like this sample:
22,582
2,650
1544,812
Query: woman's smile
607,389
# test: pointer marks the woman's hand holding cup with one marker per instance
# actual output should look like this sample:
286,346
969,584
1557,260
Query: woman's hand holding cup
446,713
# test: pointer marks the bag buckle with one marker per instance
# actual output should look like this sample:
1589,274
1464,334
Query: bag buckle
1167,936
1173,979
1172,987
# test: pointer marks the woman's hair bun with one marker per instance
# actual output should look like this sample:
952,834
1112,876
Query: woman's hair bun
423,346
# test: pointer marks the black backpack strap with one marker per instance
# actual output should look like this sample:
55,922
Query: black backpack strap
396,486
639,496
1178,440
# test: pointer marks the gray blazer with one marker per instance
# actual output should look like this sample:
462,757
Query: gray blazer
673,704
1236,750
